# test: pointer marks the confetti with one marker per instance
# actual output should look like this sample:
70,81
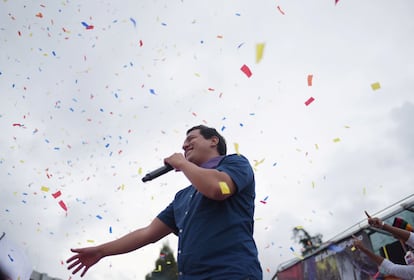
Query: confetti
44,189
133,22
246,70
375,86
309,101
56,194
87,26
224,188
63,205
280,10
259,52
310,77
336,140
236,148
264,201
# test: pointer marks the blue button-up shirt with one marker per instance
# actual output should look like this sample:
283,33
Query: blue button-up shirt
216,237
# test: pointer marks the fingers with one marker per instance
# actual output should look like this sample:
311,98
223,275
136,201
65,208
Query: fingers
84,271
78,268
74,264
72,259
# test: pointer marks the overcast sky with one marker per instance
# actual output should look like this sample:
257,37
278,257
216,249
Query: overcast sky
94,94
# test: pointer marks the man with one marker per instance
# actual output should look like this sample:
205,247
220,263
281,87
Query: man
213,217
385,266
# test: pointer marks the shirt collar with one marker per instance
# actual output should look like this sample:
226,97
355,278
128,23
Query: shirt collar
212,163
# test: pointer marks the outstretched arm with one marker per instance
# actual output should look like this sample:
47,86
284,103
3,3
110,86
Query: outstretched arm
87,257
398,233
375,258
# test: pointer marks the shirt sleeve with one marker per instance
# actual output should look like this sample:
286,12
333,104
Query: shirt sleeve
398,270
410,241
167,217
239,170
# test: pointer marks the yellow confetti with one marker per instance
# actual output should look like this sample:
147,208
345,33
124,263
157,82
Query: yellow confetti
313,184
353,248
316,146
224,188
364,191
44,189
257,162
259,52
140,170
297,255
336,140
90,241
236,147
375,86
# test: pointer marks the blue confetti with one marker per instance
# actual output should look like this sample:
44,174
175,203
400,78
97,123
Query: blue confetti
85,24
152,91
107,145
133,21
99,217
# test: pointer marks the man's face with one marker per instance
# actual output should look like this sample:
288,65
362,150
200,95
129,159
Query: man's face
197,149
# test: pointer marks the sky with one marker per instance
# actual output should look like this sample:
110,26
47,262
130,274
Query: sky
94,94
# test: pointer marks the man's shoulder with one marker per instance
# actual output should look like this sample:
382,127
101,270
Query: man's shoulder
234,158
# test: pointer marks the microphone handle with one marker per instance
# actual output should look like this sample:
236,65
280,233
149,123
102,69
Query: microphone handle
157,172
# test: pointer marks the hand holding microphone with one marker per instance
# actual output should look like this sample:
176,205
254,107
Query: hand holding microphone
164,169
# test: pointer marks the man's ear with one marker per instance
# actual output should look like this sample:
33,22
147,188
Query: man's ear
214,141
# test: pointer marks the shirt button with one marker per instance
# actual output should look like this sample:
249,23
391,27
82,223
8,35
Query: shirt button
180,273
186,212
179,251
181,230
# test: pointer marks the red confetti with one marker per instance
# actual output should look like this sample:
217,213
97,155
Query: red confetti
141,43
18,124
280,10
63,205
39,15
310,77
246,70
56,194
90,27
309,101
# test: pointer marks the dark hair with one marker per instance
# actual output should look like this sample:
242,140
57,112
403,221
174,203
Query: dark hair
207,133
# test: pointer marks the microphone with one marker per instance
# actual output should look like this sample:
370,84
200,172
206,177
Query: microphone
157,172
